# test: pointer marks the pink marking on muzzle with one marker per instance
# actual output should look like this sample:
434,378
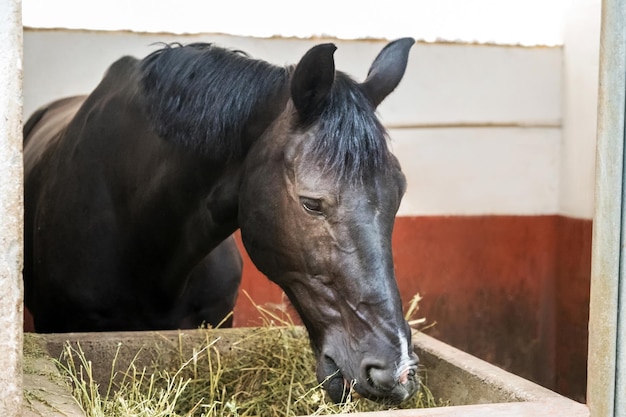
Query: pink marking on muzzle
404,376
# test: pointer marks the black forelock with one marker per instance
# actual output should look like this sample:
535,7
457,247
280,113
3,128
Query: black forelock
350,143
201,95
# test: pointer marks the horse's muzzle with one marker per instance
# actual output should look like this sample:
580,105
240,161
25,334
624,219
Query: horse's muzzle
389,385
392,385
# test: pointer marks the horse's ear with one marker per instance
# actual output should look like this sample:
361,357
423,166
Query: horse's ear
312,81
387,70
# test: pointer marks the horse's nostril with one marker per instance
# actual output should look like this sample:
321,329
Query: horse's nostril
408,374
391,383
379,377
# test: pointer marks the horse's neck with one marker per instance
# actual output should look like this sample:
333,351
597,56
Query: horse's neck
217,213
210,216
186,201
264,117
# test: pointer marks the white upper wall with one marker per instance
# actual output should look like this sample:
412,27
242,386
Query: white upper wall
479,171
580,100
525,22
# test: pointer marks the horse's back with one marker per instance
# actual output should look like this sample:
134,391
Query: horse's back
46,126
43,128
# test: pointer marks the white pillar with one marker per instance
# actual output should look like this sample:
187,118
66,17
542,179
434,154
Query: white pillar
11,208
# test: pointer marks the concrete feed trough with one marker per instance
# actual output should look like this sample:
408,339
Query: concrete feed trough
471,386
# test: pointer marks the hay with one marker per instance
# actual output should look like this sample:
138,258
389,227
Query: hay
269,372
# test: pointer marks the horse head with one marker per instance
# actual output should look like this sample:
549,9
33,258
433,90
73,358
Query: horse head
317,206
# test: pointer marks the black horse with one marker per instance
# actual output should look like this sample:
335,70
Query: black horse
132,194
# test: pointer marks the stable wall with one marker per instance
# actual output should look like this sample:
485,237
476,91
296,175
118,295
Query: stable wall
480,235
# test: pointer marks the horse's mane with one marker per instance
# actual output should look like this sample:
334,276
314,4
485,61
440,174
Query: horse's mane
351,143
200,95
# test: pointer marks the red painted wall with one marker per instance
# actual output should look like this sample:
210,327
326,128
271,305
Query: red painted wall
572,306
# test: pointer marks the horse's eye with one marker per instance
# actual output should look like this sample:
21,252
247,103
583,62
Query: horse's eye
312,205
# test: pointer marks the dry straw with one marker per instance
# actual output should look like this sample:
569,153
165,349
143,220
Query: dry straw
269,372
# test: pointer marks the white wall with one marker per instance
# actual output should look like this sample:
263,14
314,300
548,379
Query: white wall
479,171
580,98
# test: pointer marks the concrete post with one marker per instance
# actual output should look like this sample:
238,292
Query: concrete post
606,387
11,208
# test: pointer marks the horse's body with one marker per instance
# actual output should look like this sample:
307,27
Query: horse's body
132,193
